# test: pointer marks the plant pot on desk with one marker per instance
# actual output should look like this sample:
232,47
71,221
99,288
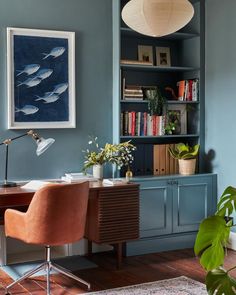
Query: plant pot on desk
98,171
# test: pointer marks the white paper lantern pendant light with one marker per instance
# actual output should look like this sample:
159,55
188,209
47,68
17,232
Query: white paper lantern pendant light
157,18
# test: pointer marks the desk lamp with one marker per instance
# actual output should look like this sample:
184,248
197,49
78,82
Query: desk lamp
42,146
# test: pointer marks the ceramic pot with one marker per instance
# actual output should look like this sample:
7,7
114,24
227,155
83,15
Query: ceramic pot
187,167
98,171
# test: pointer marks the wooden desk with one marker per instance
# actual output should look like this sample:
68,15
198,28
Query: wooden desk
112,218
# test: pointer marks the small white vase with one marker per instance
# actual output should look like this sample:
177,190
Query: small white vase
98,171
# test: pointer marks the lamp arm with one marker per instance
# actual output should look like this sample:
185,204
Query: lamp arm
31,132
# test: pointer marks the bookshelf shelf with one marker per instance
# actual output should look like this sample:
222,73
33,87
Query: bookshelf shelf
148,68
167,102
161,136
175,36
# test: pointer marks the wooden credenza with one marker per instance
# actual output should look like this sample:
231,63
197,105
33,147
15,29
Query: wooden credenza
113,216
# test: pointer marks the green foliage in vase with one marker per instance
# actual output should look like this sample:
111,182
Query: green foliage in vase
210,245
155,101
184,151
119,154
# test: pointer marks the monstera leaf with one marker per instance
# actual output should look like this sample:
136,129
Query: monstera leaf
227,203
210,242
218,282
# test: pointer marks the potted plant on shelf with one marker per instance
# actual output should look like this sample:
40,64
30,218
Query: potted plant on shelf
119,154
186,156
211,242
155,101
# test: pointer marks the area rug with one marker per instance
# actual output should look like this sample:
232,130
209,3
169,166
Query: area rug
71,263
177,286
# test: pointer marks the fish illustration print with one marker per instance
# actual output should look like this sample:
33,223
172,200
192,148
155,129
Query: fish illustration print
55,52
29,69
30,82
60,88
27,109
48,97
44,73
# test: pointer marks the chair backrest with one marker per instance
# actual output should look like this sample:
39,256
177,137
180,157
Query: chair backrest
57,214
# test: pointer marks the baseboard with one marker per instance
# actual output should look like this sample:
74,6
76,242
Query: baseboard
232,241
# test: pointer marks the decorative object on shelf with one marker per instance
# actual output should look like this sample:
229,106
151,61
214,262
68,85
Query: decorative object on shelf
186,156
177,114
211,245
145,53
171,90
42,146
163,56
41,78
128,174
155,101
119,154
158,17
170,128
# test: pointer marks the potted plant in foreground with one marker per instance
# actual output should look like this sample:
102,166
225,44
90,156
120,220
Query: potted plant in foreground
211,242
186,156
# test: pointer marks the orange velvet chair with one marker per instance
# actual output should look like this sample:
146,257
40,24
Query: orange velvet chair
56,216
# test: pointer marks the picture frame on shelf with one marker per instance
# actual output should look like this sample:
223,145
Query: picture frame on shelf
40,78
163,58
145,54
177,114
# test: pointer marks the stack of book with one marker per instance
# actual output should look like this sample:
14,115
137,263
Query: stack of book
77,177
132,92
163,163
188,90
141,124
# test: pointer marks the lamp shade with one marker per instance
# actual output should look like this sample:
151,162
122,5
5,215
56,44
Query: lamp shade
157,18
43,145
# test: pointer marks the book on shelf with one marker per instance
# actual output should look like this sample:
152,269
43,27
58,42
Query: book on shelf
135,62
188,90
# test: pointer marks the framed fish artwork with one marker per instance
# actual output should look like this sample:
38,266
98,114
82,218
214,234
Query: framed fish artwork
41,78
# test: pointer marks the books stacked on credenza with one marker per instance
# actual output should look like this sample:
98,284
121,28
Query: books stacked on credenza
77,177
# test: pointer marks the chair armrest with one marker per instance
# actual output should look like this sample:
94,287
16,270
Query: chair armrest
15,224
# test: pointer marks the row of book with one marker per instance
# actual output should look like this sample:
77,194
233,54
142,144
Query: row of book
141,124
163,163
133,92
188,90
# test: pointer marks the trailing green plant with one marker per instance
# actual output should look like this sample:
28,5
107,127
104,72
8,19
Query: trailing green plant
155,101
184,151
210,245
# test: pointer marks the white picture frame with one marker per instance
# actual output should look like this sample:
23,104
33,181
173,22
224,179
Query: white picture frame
181,112
40,78
145,54
163,57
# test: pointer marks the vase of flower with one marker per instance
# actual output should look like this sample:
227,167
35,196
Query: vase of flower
98,171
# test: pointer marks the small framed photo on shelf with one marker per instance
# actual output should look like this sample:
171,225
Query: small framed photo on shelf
163,56
145,54
177,114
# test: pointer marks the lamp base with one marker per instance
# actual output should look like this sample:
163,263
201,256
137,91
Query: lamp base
8,184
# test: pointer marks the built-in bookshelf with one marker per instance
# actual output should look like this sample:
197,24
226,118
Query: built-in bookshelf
184,67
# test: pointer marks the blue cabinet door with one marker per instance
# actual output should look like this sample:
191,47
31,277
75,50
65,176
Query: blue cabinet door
155,208
192,202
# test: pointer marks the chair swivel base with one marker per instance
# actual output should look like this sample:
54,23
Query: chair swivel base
47,265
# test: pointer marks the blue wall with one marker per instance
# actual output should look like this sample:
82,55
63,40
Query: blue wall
91,20
220,89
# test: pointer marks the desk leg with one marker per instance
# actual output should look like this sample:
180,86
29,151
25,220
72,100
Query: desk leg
3,242
119,255
90,248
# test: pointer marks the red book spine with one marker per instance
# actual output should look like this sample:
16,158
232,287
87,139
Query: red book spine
154,125
133,124
190,90
145,123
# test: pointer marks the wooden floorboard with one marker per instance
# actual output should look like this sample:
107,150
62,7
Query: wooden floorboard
134,270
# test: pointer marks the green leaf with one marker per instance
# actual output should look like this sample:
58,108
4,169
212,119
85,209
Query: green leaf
210,242
218,282
227,202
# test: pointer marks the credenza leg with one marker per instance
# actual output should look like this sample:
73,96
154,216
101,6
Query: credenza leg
90,248
119,255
